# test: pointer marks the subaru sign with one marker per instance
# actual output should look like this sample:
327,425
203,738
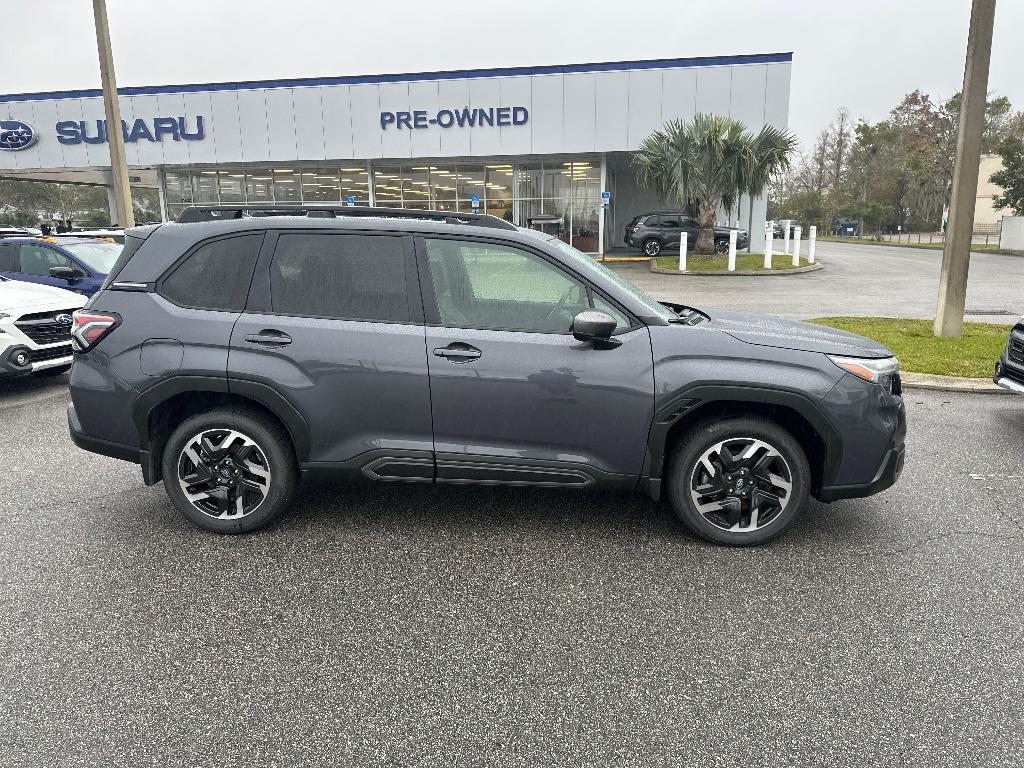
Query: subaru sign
456,118
155,129
15,135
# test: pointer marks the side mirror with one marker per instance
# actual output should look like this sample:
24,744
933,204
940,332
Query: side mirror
64,273
595,327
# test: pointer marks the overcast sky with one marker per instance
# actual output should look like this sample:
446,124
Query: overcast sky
863,54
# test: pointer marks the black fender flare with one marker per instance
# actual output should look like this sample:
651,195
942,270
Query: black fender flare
262,394
691,401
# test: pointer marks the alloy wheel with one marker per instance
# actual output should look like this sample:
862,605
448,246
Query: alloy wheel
741,484
224,474
652,247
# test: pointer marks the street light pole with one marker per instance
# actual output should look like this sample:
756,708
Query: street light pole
956,251
112,109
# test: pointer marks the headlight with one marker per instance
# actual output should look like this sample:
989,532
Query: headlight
878,370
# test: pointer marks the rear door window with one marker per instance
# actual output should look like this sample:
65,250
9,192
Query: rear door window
341,276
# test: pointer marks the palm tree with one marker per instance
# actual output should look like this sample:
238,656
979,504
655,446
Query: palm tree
710,162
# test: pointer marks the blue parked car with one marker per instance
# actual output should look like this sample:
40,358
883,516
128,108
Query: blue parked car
78,264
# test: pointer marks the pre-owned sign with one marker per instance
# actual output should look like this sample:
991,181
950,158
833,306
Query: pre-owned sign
418,119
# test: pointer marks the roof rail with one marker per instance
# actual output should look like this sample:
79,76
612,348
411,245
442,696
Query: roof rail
196,213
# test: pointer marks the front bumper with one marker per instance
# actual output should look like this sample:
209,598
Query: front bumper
39,359
888,472
1009,377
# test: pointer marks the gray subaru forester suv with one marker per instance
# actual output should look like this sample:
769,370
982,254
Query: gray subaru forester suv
235,350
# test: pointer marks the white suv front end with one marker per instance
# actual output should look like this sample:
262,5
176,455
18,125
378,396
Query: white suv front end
35,327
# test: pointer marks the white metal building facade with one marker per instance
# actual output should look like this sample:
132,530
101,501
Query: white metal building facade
512,142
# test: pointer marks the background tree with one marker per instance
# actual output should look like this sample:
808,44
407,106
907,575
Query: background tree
708,163
897,172
1011,176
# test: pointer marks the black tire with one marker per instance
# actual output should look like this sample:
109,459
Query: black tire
721,246
272,447
652,247
60,370
684,478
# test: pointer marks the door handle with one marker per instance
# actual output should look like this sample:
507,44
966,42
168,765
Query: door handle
457,352
269,338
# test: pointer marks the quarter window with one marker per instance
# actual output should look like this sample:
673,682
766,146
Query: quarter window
481,285
352,277
216,275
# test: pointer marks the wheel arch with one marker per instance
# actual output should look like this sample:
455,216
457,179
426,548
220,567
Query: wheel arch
159,409
793,411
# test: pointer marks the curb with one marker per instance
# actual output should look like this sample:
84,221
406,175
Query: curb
739,272
951,384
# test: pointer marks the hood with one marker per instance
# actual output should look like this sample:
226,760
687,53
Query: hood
15,294
790,334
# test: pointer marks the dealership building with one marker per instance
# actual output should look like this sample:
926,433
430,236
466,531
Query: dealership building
545,146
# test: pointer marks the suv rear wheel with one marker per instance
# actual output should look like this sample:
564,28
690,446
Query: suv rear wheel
739,481
229,470
652,247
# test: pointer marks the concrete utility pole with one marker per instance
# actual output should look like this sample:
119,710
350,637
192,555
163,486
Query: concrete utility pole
956,253
115,138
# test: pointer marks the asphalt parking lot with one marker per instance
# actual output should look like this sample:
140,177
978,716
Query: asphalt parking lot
857,280
408,626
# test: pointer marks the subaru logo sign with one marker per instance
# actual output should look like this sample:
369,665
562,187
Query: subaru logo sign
64,319
15,135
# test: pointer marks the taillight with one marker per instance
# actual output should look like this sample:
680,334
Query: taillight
88,327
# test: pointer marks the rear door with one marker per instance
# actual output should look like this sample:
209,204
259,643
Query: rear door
515,398
334,323
670,228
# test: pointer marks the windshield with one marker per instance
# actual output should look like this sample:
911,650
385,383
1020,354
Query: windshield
587,263
100,256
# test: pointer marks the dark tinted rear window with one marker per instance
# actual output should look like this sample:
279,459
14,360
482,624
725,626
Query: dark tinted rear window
352,277
216,275
8,258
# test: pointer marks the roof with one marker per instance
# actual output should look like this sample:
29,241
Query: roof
454,74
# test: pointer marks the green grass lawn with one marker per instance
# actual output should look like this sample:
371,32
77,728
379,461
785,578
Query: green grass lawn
720,262
972,355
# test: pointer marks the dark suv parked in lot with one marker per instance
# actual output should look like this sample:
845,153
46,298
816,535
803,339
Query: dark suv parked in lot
227,354
661,230
1009,372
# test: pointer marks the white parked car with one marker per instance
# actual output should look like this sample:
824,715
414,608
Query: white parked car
35,328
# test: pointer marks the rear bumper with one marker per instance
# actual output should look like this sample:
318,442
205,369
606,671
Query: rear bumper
96,445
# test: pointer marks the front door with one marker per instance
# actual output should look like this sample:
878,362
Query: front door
515,398
35,261
334,323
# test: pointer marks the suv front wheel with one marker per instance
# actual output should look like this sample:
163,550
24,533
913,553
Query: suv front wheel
229,470
738,481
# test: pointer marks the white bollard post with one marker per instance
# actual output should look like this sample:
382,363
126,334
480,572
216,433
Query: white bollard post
769,241
797,233
812,235
682,252
732,249
785,240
